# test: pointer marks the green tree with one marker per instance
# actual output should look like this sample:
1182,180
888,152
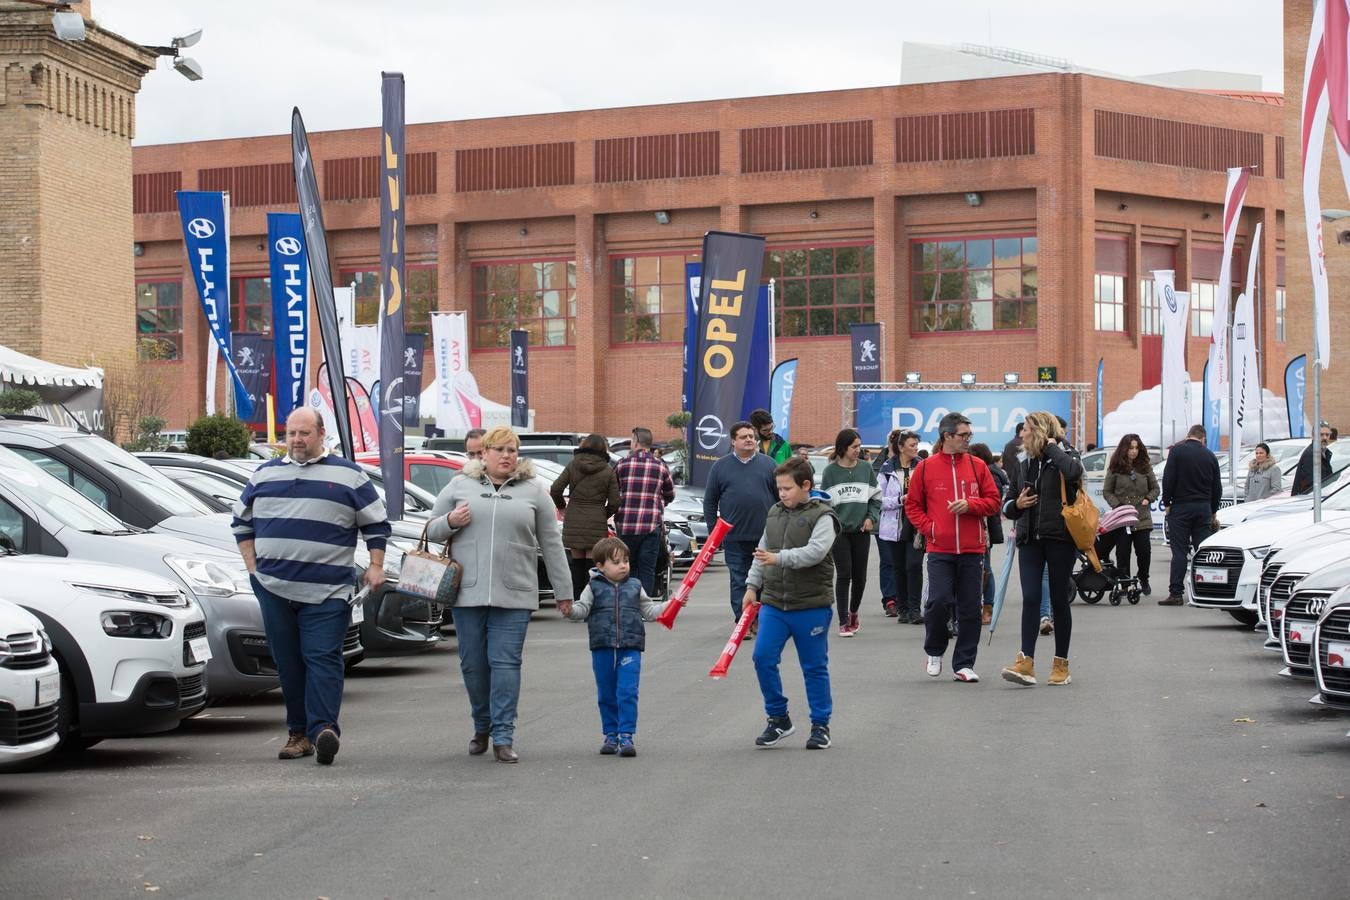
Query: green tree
212,434
17,400
679,422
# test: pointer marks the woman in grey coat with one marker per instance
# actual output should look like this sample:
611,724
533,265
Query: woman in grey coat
1130,480
496,516
1263,475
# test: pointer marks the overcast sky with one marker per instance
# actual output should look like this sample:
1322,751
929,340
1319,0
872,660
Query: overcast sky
465,60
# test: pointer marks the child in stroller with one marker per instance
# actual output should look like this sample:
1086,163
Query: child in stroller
1092,585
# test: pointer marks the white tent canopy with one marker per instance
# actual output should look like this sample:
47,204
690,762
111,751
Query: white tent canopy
18,369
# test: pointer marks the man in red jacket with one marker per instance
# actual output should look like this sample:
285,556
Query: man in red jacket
949,496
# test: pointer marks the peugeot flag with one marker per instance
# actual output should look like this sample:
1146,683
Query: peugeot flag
520,378
780,396
253,360
414,354
865,341
393,212
316,242
1295,390
290,309
732,264
206,235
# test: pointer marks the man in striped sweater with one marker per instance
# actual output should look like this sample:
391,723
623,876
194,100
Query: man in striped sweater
296,523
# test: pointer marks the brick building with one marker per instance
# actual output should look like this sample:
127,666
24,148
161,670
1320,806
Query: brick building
991,225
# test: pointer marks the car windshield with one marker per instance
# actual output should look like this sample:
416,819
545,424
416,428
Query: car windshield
67,505
156,486
415,499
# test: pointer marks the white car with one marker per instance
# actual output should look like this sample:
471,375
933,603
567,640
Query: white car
1301,614
1292,556
1334,499
30,687
131,646
1331,653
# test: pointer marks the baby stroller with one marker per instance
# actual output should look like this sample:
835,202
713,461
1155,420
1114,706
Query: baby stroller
1092,585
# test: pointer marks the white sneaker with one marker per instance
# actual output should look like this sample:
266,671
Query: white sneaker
934,666
964,675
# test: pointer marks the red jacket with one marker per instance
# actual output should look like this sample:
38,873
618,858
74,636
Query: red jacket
941,479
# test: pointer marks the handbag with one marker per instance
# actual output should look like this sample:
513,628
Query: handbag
431,576
1081,519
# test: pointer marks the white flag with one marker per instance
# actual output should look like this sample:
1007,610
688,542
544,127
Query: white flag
1246,387
1175,308
1234,196
458,403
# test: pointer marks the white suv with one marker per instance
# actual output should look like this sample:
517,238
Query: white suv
30,686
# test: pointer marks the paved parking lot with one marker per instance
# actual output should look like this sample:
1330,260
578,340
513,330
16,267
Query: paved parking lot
1141,779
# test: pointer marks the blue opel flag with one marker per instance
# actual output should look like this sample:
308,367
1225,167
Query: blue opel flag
393,215
865,341
732,264
206,235
253,360
1101,402
290,309
780,396
520,378
1295,390
414,353
1211,407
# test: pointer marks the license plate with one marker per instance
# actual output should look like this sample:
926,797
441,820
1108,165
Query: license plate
48,689
1337,655
358,613
1301,632
200,650
693,545
1211,576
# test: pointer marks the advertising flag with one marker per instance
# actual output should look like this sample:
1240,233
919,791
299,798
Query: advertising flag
1211,407
1174,307
206,235
253,360
311,215
1295,390
780,396
865,342
392,271
726,326
1101,398
289,265
520,378
458,404
1246,377
757,374
693,277
1234,196
414,355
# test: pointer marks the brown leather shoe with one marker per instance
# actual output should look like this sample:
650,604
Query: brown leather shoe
504,753
478,744
297,746
1172,600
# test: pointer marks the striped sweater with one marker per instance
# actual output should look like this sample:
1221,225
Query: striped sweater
304,518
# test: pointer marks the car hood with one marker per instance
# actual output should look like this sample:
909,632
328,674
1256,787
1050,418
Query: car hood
1257,530
14,619
212,530
28,568
1331,577
1314,558
1292,543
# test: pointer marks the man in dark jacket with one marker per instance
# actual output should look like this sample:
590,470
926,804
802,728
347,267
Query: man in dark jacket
1011,449
740,489
1191,490
1303,477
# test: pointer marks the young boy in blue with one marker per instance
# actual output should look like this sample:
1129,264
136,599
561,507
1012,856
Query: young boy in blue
792,576
613,605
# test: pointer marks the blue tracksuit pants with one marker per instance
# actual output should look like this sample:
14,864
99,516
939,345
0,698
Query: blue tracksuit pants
617,673
809,630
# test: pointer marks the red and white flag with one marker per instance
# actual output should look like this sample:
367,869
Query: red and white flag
1234,197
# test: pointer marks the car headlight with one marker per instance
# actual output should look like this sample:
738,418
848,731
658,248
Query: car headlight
134,624
211,578
1259,552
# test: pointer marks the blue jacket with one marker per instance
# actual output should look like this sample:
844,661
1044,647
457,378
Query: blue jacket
741,493
614,613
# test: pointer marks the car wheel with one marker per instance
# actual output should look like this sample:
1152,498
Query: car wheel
1247,617
68,720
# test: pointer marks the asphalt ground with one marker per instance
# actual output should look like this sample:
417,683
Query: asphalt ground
1176,765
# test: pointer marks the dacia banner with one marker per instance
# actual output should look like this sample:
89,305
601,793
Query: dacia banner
1211,407
732,264
1295,390
289,266
865,344
393,212
206,235
311,214
414,354
757,380
780,396
993,414
520,378
253,359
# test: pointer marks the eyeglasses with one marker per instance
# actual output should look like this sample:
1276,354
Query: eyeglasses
505,451
963,434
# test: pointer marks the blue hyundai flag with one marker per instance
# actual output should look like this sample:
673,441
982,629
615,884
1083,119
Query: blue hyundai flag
289,264
1212,409
780,396
1295,391
520,378
1101,403
393,214
865,345
253,359
757,376
206,235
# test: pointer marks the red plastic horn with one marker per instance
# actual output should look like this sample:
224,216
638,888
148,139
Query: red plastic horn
715,538
734,642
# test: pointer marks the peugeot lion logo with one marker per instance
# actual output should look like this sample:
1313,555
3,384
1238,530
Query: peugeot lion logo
1317,606
1214,556
201,228
710,432
287,246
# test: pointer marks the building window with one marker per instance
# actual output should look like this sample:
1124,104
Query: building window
251,304
973,284
1108,283
821,290
419,296
647,298
1150,312
1279,314
1202,308
537,295
159,319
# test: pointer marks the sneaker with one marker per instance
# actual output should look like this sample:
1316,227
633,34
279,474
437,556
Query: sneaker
967,674
853,624
820,737
1047,625
297,745
778,728
891,611
626,747
326,746
1059,671
1023,671
934,667
845,630
1172,600
986,615
1144,586
610,746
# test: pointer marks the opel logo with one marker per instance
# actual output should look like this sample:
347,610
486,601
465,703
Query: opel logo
1317,606
287,246
710,432
1171,297
1214,556
201,228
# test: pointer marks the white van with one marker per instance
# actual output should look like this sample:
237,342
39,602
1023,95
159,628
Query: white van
30,687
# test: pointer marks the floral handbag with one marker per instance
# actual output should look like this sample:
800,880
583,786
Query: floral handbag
432,576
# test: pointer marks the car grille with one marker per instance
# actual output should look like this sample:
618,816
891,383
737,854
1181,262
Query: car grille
191,688
191,632
1335,627
27,651
1225,502
1229,558
1269,572
26,726
1281,589
1296,612
352,642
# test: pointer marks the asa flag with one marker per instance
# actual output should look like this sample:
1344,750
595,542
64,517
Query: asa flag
1295,391
414,355
393,212
206,235
865,342
520,378
732,265
253,360
289,266
780,396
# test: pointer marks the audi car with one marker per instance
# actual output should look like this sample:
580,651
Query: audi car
1305,607
1331,653
1290,559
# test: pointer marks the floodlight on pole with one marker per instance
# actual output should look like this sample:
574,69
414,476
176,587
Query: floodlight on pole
912,378
967,379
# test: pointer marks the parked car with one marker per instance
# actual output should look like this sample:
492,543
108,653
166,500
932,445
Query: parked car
1334,499
1294,570
30,688
1301,614
1288,561
1331,653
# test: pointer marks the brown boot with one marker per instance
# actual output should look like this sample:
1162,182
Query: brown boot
297,746
1059,671
1023,671
478,744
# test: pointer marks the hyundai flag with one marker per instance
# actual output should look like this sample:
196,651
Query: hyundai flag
289,266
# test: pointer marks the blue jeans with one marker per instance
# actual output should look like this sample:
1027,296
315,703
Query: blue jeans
643,550
306,644
810,633
491,640
617,673
886,569
1187,524
738,556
